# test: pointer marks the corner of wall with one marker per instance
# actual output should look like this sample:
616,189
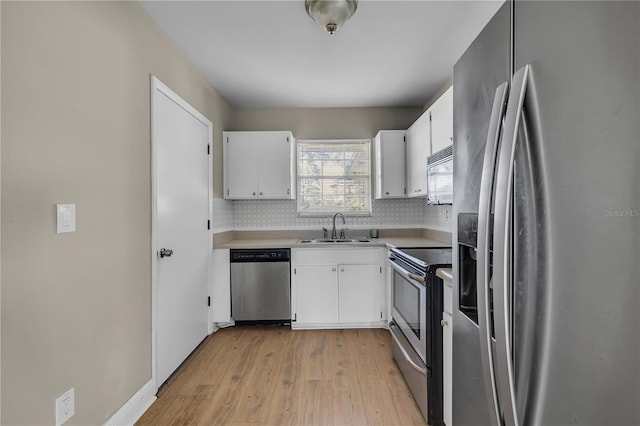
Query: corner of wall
445,86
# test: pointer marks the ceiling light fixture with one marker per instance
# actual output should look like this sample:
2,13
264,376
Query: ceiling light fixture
331,14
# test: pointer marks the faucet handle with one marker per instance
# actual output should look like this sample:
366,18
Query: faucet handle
342,234
325,233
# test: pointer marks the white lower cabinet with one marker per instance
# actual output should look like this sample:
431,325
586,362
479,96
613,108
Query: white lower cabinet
359,291
220,289
447,353
336,288
447,366
316,294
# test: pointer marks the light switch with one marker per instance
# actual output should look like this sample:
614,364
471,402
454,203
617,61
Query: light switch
66,218
65,406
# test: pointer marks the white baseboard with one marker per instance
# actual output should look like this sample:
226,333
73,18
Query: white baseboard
135,407
334,326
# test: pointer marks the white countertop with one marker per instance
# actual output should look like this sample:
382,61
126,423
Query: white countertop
293,243
446,274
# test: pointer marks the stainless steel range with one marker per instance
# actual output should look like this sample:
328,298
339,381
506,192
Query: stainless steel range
416,311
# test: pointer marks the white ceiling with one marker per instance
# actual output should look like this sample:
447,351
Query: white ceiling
271,54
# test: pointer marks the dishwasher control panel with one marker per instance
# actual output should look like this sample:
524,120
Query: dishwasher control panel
262,255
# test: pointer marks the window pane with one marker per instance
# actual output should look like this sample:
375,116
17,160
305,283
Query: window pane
334,176
357,168
333,168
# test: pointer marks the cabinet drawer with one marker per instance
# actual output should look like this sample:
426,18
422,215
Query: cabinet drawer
336,255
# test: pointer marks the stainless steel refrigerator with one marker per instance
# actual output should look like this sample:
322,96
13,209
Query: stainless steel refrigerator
547,217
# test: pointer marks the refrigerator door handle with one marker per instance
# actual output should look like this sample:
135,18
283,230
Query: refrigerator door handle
502,273
484,217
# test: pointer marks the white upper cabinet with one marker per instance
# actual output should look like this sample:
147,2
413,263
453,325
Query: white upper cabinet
418,149
442,121
259,165
391,168
430,133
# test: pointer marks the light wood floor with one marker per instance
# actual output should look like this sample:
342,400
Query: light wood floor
276,376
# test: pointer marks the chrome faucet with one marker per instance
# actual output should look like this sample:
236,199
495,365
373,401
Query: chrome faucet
334,233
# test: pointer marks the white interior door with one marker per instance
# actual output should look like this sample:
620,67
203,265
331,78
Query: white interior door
181,210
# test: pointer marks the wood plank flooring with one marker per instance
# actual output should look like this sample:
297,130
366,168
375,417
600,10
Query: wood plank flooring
276,376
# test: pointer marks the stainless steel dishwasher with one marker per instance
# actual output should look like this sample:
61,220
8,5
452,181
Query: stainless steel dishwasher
261,286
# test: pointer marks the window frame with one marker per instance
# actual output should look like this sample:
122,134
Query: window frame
368,176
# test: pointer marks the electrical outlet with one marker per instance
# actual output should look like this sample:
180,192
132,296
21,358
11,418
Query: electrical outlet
65,406
66,219
444,214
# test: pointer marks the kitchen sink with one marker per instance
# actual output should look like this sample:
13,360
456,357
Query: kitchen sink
336,241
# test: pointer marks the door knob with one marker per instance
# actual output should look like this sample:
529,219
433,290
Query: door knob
444,323
165,252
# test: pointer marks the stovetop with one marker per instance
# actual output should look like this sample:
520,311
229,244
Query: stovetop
428,259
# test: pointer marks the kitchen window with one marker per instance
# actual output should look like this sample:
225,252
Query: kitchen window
334,175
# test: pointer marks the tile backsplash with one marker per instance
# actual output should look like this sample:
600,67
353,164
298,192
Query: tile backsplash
222,215
439,218
282,214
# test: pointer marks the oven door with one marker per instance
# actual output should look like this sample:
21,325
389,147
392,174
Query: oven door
408,305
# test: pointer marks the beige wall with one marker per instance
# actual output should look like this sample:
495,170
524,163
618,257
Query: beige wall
326,123
76,308
0,218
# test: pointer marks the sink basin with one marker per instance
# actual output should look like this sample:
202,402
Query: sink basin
336,241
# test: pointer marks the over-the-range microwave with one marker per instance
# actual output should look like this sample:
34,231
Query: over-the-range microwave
440,177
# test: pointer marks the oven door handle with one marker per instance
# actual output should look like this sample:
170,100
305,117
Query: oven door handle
408,275
405,354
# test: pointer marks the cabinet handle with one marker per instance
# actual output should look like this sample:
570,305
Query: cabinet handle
387,192
333,269
341,269
260,193
254,193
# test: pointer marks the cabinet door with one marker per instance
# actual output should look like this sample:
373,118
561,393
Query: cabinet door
315,294
418,149
442,121
391,166
274,165
447,364
240,165
359,288
221,286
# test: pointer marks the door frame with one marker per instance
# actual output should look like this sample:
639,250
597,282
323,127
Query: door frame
157,87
